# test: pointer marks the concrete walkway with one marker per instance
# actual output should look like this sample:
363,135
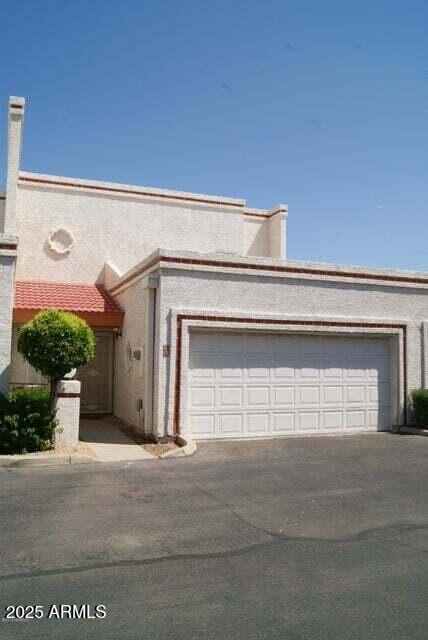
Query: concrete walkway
108,442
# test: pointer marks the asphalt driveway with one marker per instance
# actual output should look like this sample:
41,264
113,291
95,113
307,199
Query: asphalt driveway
311,538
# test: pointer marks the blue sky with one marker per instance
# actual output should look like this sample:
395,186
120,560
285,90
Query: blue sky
322,105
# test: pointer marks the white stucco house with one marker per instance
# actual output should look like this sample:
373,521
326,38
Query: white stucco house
203,325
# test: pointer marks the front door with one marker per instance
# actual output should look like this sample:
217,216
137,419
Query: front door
97,376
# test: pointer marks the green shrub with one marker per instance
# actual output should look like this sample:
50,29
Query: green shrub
420,406
27,423
55,342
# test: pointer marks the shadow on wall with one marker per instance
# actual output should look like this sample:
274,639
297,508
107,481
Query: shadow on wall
4,379
57,257
260,243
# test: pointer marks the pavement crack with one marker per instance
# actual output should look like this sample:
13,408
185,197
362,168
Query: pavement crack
277,540
141,562
401,544
248,523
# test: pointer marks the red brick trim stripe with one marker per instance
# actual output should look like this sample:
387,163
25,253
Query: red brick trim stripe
68,395
373,277
135,274
134,192
269,214
14,105
297,270
273,322
257,215
12,247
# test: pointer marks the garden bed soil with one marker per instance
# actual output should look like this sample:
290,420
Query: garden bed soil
155,448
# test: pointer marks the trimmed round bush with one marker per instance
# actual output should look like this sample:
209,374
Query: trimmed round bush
55,342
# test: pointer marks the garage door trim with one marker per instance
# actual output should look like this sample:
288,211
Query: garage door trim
186,322
262,384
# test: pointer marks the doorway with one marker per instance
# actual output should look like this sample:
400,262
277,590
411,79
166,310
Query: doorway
96,377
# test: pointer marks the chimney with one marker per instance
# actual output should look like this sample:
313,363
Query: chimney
14,144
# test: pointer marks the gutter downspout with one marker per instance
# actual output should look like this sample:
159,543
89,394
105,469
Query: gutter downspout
153,355
150,285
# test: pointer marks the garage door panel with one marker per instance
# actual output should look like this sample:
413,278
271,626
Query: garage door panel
332,420
378,372
257,345
283,396
258,396
202,425
332,394
229,396
202,397
354,374
283,422
231,423
205,375
379,394
309,369
308,420
383,394
281,372
308,395
355,419
229,366
204,342
355,394
203,366
258,422
331,372
269,384
258,367
230,343
281,346
377,421
373,394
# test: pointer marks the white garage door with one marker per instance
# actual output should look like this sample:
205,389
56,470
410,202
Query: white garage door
254,385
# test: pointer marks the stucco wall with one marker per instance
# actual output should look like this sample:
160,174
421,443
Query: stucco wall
261,296
122,228
21,371
256,236
7,267
129,377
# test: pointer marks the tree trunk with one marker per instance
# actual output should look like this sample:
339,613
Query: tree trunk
54,384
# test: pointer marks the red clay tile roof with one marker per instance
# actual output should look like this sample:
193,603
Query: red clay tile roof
92,298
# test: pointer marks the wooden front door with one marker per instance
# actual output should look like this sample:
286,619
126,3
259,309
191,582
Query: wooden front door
97,377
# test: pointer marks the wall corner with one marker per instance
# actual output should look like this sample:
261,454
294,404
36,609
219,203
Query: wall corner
278,232
424,363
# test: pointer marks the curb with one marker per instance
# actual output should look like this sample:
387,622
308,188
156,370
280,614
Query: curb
53,460
414,431
187,448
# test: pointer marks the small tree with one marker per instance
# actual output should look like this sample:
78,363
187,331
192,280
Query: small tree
54,343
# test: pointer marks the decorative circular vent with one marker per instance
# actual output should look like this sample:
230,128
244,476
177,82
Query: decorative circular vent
61,241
